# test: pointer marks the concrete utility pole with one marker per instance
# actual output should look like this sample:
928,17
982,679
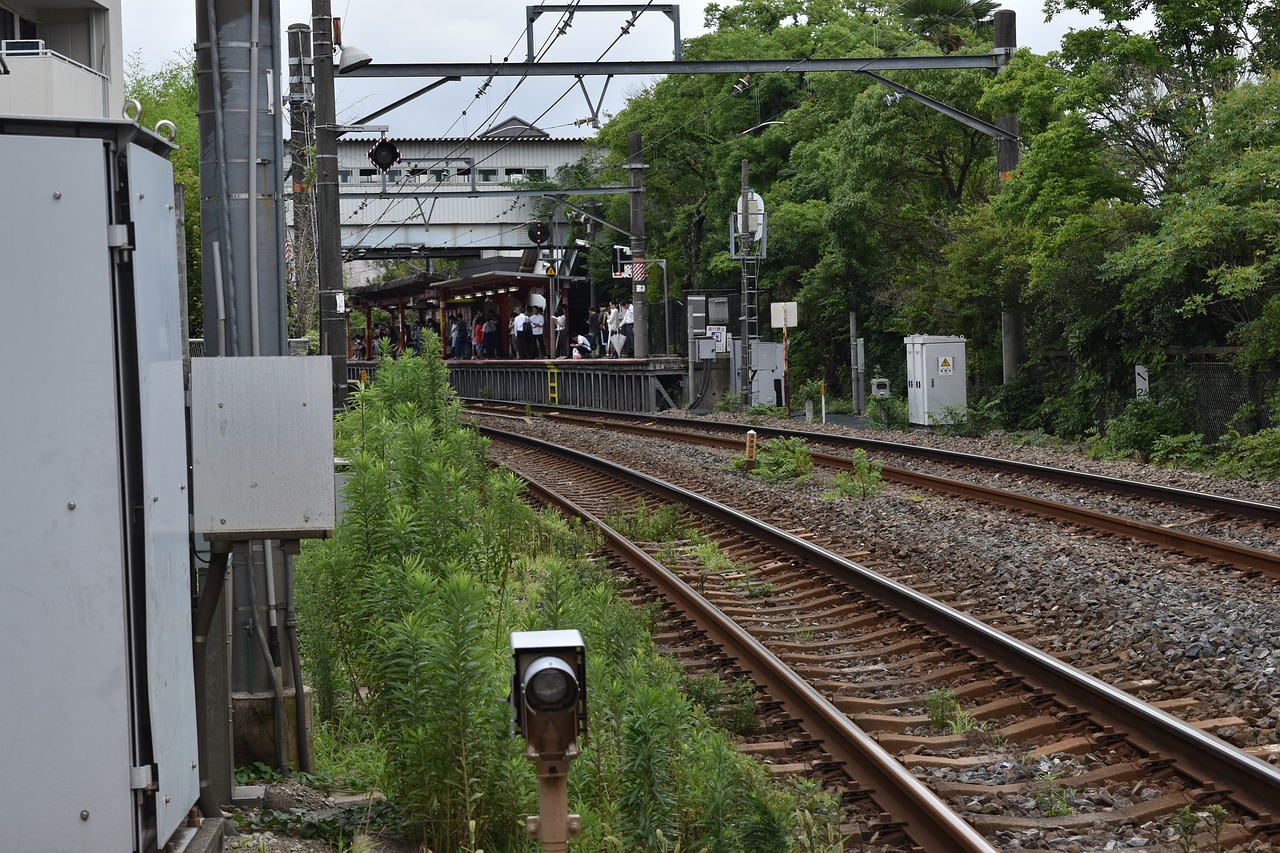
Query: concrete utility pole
301,122
639,272
241,174
744,238
333,338
1012,340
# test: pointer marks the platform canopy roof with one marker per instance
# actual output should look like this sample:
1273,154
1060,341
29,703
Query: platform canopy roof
397,292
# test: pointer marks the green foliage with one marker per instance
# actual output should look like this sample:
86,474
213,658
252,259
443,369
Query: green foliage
1187,821
971,420
756,589
711,557
1180,451
405,615
1249,457
1137,429
667,523
1055,801
730,706
779,460
337,826
890,413
258,772
862,482
349,751
942,706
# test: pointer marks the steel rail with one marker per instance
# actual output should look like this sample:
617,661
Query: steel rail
1238,556
1135,488
1251,783
925,818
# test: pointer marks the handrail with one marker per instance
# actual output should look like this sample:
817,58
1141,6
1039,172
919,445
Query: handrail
35,54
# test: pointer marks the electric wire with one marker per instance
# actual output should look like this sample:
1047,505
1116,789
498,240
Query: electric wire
466,144
560,29
705,112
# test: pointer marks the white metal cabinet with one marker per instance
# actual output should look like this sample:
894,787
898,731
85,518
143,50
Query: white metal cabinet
935,378
97,729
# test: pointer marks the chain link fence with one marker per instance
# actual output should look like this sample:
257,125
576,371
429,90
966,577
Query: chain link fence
1217,395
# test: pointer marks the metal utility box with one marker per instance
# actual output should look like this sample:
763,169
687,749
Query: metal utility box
766,372
935,378
262,447
97,729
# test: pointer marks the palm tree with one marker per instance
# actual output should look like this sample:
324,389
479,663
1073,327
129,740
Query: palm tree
936,20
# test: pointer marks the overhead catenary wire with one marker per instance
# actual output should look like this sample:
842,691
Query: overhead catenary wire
705,112
464,145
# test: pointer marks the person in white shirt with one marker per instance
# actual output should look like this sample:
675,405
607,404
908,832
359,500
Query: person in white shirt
537,325
562,335
582,347
628,327
524,338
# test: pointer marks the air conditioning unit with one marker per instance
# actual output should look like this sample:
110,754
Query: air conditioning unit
22,46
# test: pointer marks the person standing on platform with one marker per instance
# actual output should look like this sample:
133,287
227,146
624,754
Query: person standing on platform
490,341
614,349
562,334
537,326
593,324
628,327
524,335
603,330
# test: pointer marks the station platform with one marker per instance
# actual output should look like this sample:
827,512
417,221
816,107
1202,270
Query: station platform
619,384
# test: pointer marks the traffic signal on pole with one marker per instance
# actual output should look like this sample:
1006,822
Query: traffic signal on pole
539,233
621,262
384,154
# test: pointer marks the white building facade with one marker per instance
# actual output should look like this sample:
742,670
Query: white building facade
446,197
61,58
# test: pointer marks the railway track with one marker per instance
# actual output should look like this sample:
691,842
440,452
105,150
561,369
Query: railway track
874,652
1168,535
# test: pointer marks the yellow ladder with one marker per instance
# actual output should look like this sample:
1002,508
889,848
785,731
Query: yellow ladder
553,385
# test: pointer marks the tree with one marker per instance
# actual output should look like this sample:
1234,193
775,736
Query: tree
170,93
938,20
1215,255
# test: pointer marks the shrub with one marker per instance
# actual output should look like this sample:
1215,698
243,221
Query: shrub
779,460
862,482
1016,404
1135,431
890,413
803,392
1182,451
405,615
942,707
1251,457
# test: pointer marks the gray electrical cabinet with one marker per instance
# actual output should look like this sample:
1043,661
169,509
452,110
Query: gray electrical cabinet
97,730
262,447
935,378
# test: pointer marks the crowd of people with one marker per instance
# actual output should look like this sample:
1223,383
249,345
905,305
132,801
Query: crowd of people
609,334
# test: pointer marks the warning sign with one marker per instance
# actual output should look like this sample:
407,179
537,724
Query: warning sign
946,365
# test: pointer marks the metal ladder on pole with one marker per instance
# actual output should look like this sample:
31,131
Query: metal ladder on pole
750,296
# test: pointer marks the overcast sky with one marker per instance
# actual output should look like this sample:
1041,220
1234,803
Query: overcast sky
479,31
